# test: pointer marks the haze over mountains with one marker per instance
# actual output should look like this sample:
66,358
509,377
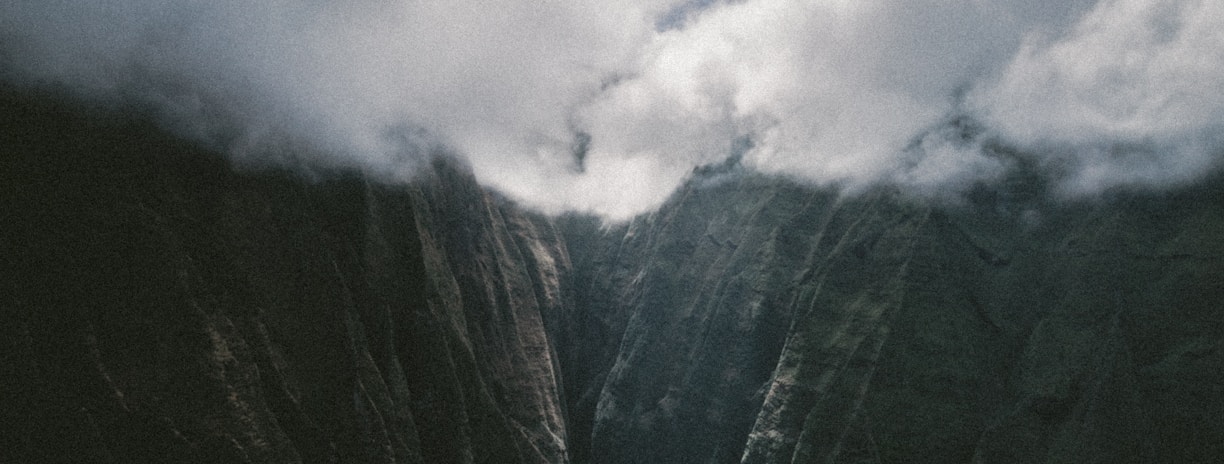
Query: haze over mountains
652,232
606,108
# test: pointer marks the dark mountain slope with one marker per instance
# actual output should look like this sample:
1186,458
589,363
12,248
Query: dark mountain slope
761,322
159,307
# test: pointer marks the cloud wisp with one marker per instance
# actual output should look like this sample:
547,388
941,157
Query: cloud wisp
604,108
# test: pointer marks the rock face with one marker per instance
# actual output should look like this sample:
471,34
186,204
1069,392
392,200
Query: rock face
761,322
160,307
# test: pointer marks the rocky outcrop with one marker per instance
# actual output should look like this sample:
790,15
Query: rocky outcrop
160,307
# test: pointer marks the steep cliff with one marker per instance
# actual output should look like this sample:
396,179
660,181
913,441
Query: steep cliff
159,306
762,322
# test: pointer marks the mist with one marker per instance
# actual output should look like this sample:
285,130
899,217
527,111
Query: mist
607,108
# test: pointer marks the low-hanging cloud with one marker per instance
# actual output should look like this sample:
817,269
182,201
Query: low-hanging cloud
590,106
1133,94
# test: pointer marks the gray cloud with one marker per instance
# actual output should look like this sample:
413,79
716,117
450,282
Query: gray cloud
832,92
496,81
1132,95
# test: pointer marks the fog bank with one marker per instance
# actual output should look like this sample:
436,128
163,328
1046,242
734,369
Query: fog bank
606,108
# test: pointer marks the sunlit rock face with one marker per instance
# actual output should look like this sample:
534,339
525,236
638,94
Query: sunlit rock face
159,306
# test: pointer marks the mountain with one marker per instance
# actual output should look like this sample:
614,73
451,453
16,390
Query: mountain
163,306
757,321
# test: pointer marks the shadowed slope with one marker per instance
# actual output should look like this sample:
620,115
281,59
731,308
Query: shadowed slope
162,307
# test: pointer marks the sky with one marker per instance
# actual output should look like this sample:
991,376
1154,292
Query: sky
607,107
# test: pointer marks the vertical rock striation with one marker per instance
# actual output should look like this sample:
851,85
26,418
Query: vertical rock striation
159,307
761,322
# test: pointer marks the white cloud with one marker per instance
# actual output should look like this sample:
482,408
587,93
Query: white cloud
1133,95
832,92
489,79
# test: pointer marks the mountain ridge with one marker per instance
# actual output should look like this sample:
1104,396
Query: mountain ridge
163,306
